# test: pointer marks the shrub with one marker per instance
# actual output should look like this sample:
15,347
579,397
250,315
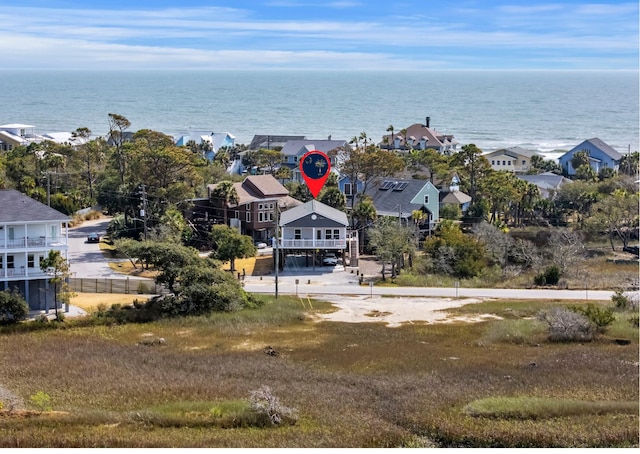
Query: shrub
634,321
567,326
13,307
550,276
600,317
41,400
624,300
268,408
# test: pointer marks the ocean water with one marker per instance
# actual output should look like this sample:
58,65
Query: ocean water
538,110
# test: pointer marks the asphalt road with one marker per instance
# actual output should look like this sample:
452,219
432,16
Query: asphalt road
85,259
344,283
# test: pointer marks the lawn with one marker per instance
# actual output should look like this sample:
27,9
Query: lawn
353,385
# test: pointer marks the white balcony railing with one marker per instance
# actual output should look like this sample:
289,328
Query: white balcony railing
32,242
22,272
313,244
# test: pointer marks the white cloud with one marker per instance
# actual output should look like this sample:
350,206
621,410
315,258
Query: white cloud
214,36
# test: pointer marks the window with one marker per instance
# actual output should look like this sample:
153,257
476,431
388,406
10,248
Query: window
524,163
327,234
297,234
336,234
318,234
30,261
509,162
260,207
260,216
493,162
426,199
10,262
248,218
12,233
348,189
504,163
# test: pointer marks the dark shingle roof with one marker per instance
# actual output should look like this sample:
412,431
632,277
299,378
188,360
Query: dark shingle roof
17,207
391,200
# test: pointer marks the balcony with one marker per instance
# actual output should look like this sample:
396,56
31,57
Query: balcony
27,242
21,273
313,244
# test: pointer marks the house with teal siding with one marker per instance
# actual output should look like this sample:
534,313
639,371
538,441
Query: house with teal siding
399,198
601,156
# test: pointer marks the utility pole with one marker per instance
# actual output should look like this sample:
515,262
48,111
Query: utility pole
48,188
143,213
277,235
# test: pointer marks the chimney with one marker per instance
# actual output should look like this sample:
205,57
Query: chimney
427,121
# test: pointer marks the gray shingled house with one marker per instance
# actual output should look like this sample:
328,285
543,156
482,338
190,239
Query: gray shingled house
28,231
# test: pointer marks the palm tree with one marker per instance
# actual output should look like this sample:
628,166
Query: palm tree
363,137
361,215
225,192
390,128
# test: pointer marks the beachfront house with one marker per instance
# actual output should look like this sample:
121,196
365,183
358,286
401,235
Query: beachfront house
512,159
208,142
28,231
601,156
419,137
16,134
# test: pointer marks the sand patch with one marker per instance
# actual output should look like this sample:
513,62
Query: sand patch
398,310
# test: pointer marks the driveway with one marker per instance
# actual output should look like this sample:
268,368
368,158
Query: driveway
85,259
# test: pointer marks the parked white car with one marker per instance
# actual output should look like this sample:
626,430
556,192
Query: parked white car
330,259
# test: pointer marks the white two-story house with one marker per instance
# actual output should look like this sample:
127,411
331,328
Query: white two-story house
28,231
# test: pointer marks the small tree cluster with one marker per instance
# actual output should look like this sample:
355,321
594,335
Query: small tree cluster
598,316
13,307
550,276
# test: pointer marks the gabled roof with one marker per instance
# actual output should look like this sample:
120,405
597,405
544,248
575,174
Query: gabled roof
394,195
454,197
259,187
514,152
270,141
600,145
418,131
17,207
311,207
546,180
295,147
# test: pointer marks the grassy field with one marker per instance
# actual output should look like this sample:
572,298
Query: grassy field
490,384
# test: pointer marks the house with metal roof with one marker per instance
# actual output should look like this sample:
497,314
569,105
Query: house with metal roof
512,159
601,156
548,182
270,142
16,134
28,231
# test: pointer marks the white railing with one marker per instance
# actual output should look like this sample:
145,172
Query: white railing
22,272
31,242
313,244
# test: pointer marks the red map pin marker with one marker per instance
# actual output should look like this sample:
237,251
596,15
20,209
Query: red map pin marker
315,167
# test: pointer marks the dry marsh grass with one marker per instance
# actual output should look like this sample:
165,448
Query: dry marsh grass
354,385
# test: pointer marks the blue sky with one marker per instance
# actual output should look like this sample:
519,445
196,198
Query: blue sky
319,34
